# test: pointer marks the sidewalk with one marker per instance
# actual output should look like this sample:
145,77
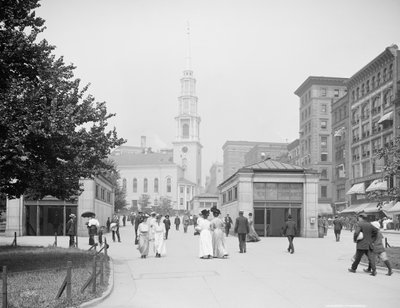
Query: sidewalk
266,276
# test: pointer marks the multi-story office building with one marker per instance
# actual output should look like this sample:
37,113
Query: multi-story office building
294,153
273,150
340,146
373,91
316,95
235,154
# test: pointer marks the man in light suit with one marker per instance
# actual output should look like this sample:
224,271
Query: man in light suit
242,229
364,245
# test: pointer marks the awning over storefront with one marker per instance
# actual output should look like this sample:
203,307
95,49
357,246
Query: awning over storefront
355,208
324,209
372,208
395,208
376,185
358,188
386,117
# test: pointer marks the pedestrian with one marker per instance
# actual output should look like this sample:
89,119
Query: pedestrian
177,222
115,228
337,227
159,237
133,217
252,236
321,231
379,250
242,229
93,224
186,222
218,236
138,220
365,235
228,224
124,220
151,222
167,223
290,230
71,229
108,223
205,238
143,230
325,225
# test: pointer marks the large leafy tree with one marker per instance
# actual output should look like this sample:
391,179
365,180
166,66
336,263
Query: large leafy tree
51,132
391,170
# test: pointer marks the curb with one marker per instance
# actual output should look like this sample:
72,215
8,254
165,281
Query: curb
105,294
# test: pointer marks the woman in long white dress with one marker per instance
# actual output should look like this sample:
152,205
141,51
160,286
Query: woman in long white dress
159,237
218,235
252,236
143,230
205,241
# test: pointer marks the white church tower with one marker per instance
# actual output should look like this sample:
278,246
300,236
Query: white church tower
187,146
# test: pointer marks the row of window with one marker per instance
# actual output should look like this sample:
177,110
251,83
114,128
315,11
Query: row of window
103,194
230,195
372,107
370,129
375,81
146,185
277,191
322,92
340,113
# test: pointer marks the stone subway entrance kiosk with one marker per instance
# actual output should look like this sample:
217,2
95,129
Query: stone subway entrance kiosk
272,190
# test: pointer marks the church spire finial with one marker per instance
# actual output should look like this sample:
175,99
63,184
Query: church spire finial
188,51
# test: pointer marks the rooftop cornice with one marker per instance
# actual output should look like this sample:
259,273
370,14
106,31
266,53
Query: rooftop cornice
320,80
387,55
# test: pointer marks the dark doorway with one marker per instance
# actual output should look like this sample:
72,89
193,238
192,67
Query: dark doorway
270,221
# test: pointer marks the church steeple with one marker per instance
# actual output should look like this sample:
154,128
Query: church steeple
187,147
188,121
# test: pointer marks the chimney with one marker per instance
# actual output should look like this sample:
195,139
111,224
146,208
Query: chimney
143,142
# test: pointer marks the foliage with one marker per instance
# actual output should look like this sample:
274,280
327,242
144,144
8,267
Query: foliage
35,275
51,134
391,155
144,201
164,206
120,193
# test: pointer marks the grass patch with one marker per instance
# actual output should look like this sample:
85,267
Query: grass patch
35,274
393,254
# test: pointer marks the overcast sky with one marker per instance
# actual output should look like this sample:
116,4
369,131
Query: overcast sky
248,57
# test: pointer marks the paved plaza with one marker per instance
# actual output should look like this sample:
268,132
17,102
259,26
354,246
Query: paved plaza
266,276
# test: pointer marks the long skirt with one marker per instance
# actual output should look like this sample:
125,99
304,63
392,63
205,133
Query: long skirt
143,244
219,245
252,236
205,244
159,243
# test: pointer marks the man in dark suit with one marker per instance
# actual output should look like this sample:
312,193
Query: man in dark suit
242,229
290,230
364,245
337,227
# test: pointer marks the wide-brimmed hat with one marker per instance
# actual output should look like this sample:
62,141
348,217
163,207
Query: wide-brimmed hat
215,210
72,215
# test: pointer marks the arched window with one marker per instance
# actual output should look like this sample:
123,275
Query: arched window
134,185
145,185
185,130
156,185
169,185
